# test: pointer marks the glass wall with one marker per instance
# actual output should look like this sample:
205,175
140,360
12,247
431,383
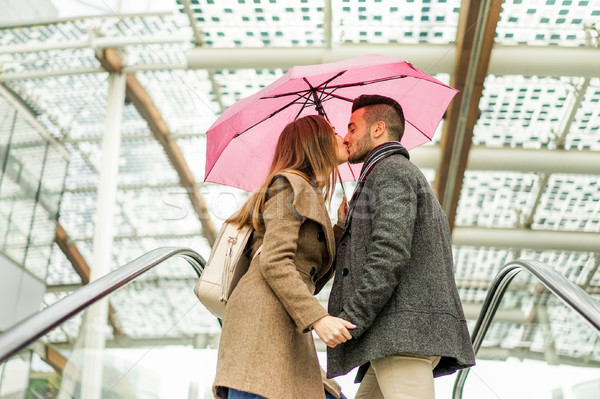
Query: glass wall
32,178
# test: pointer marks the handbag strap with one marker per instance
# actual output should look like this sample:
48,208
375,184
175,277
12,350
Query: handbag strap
257,251
226,270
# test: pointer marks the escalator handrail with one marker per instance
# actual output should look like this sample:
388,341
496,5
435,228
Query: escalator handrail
572,295
38,324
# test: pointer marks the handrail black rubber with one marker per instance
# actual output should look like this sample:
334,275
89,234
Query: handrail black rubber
572,295
38,324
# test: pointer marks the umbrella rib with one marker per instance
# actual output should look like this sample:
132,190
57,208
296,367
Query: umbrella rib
419,130
325,83
331,94
307,98
334,88
368,82
267,117
324,96
291,93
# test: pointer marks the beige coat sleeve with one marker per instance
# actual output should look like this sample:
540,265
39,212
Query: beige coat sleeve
282,227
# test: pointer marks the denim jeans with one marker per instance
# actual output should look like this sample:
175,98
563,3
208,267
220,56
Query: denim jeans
235,394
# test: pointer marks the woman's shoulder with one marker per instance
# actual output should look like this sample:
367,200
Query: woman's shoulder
278,184
304,196
295,178
289,180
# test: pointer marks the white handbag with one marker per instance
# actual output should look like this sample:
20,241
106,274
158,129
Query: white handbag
227,263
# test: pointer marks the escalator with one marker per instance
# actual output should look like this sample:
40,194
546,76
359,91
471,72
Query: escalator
537,336
52,354
540,329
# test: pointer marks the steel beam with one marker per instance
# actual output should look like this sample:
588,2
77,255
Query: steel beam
51,355
328,24
516,160
431,58
502,353
485,237
28,115
91,328
55,21
142,101
199,41
580,93
68,247
474,41
43,74
143,236
538,240
94,42
545,61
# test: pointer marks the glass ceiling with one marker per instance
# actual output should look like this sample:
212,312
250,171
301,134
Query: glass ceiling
52,69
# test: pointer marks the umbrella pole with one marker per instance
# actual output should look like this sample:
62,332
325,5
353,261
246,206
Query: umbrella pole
321,111
339,177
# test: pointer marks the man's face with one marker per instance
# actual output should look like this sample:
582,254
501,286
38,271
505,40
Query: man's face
358,140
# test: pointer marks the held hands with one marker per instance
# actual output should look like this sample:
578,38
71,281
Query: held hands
333,330
343,210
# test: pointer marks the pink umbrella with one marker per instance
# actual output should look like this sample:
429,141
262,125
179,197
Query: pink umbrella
241,143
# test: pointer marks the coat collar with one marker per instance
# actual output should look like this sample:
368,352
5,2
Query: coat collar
308,205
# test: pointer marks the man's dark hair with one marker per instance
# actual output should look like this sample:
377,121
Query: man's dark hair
380,108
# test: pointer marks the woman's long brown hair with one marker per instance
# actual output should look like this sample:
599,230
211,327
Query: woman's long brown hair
307,147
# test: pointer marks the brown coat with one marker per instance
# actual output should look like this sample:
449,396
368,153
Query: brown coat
266,345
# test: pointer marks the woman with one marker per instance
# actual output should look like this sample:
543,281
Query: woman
266,348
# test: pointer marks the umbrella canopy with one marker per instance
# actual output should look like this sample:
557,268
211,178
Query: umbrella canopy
241,143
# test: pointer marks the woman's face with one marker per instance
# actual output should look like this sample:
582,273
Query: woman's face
341,151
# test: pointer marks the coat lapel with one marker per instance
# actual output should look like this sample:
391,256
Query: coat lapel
311,205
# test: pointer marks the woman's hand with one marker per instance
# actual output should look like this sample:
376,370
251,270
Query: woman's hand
343,210
333,330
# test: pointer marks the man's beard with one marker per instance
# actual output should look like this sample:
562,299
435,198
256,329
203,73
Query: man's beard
361,148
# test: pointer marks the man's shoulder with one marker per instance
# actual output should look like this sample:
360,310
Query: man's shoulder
394,165
396,170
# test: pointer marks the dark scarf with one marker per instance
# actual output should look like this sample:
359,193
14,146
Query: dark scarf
377,154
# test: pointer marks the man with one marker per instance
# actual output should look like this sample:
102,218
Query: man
394,274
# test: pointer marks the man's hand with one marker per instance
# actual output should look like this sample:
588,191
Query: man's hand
333,330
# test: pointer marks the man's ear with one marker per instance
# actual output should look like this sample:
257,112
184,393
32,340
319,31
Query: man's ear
378,129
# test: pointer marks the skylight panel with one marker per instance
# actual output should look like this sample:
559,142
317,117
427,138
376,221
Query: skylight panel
585,130
240,83
527,112
495,199
571,202
549,22
479,263
391,21
572,265
185,98
60,270
70,102
244,23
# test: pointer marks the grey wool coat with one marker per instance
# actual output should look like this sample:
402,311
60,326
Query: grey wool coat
394,276
266,345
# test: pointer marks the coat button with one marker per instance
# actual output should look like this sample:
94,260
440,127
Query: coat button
345,271
321,236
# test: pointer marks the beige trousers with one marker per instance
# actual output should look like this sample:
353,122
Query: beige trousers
405,376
